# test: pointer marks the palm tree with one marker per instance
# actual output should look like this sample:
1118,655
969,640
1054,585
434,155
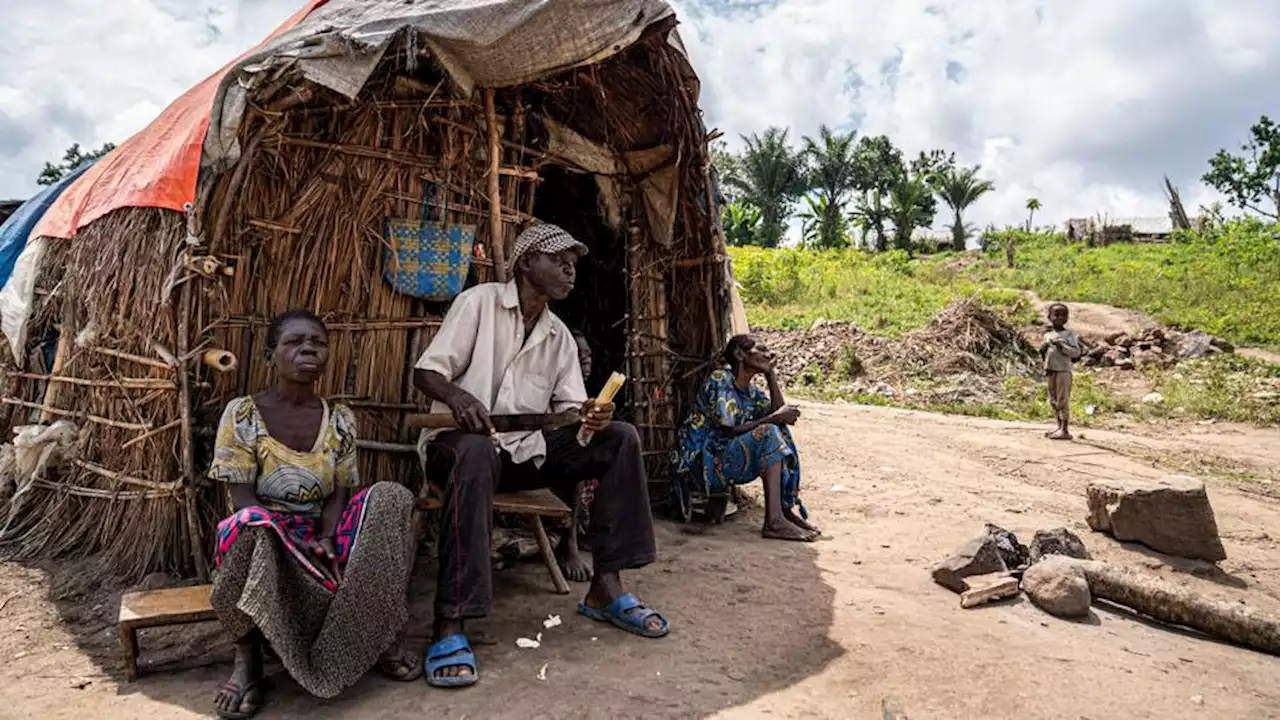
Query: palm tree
741,223
1033,204
909,199
870,216
960,188
769,176
818,229
833,175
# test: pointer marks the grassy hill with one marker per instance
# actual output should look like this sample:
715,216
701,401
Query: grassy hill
1225,282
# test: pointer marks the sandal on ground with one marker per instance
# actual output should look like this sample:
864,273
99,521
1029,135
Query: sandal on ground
451,651
240,694
627,613
401,667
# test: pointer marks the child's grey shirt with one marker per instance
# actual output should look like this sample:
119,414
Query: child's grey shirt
1059,359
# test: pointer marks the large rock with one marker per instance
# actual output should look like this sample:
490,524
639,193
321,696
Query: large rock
1058,586
1196,344
1059,541
1013,553
1171,515
980,556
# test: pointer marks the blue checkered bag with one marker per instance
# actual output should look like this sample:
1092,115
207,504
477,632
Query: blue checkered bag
425,258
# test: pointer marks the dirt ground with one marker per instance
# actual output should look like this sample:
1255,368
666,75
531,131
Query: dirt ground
771,629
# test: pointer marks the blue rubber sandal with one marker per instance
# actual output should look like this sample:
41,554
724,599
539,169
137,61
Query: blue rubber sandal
627,613
451,651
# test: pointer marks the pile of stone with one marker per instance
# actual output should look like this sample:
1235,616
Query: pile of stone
996,566
1155,347
1171,515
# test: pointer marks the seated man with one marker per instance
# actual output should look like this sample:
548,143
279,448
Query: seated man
501,350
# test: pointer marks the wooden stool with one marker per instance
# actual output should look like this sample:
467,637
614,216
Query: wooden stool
534,505
153,608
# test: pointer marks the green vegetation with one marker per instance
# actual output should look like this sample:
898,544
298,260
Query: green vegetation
846,182
1224,388
884,293
1225,281
71,160
1251,180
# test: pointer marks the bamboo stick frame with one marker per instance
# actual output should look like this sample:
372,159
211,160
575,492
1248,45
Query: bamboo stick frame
183,322
497,241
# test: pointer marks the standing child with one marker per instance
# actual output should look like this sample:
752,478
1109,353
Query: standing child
1061,348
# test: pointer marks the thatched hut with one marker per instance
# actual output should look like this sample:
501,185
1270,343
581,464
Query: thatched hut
160,271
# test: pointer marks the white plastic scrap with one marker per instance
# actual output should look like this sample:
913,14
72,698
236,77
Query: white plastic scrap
551,621
542,672
528,644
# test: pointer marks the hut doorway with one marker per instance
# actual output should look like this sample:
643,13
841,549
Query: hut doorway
598,305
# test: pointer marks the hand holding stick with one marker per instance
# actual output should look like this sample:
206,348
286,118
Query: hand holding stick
605,397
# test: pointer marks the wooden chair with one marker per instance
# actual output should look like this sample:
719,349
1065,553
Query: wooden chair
154,608
534,505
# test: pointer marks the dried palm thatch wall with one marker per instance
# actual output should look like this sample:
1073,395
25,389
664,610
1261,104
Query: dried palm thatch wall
138,300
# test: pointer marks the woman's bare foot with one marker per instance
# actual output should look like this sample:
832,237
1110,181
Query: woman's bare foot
1059,434
242,696
799,522
400,665
781,529
575,567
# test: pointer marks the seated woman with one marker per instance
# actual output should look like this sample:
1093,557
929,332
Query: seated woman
308,562
735,434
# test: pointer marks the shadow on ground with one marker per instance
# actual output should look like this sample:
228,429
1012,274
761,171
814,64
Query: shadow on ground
749,617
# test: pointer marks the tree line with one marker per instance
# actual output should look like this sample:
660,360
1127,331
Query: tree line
847,189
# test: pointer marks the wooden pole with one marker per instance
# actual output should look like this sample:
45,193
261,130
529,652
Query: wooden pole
53,387
1153,596
183,321
497,243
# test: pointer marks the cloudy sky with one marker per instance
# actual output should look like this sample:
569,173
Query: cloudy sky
1081,103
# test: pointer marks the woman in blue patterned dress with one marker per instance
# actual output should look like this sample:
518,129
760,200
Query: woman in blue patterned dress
736,433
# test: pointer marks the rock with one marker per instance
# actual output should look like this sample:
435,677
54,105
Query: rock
1171,515
1126,364
1012,552
1154,398
1222,345
989,588
1123,340
1195,344
1059,541
1114,338
1058,586
979,556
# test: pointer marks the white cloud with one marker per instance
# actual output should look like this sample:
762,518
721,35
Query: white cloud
1084,105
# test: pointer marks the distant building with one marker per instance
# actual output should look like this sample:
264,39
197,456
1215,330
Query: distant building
1106,230
7,208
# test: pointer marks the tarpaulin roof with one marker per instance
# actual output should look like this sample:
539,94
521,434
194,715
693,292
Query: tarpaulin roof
15,230
338,44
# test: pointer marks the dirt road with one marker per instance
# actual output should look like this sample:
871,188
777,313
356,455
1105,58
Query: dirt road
769,629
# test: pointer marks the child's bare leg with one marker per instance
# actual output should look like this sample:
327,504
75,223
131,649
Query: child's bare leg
1062,409
576,569
776,525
